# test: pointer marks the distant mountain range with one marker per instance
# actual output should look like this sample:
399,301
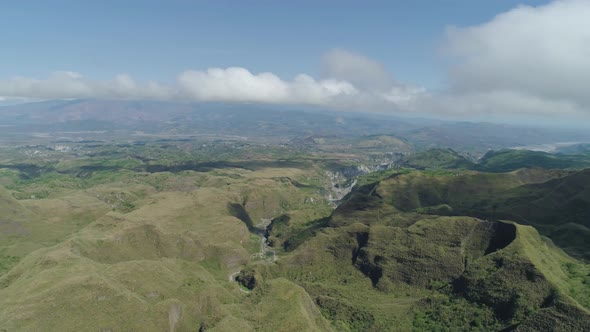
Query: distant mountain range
266,121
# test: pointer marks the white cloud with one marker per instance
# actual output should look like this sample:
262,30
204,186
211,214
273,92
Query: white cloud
65,84
357,69
232,84
498,104
240,85
527,60
404,96
378,90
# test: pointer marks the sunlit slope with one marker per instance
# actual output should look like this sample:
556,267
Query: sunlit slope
27,225
437,159
510,160
159,256
373,267
505,160
555,202
159,251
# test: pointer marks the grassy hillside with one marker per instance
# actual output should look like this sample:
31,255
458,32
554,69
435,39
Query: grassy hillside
376,268
510,160
437,159
150,251
165,242
555,202
494,161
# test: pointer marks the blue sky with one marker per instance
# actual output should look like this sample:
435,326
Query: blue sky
158,39
465,59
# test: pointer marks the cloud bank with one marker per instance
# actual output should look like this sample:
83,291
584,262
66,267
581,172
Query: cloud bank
67,84
527,61
237,84
357,69
233,84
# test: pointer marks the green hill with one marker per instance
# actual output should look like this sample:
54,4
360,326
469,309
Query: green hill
494,161
555,202
181,249
574,149
437,159
373,267
510,160
149,251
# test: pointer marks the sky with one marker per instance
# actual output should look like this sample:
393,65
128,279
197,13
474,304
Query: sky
485,60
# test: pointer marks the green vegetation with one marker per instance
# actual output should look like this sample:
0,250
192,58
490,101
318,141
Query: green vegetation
510,160
506,160
146,245
377,176
553,201
437,159
7,262
443,273
452,313
184,236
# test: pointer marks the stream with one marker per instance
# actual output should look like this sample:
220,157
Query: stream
341,184
266,253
